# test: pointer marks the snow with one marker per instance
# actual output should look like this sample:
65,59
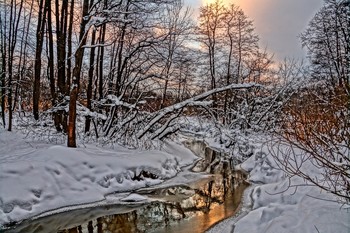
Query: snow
134,197
194,101
36,177
284,204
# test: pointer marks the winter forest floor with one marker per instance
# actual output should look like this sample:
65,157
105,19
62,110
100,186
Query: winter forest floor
38,177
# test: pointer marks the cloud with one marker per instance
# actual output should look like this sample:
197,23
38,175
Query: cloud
277,22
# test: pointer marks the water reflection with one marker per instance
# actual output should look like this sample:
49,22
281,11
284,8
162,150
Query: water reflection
218,199
181,208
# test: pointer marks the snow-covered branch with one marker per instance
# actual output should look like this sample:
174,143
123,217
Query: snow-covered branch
194,101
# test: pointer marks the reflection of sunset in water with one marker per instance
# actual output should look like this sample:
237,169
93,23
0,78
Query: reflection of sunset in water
194,206
209,204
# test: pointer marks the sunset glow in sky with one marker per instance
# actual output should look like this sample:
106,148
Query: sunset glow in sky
207,1
278,22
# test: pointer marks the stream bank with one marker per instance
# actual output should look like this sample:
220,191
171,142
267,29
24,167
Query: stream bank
198,204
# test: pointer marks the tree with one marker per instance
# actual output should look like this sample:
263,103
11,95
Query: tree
38,51
3,68
71,142
232,53
90,80
210,21
241,40
137,40
315,127
51,72
315,122
176,26
327,42
10,23
242,43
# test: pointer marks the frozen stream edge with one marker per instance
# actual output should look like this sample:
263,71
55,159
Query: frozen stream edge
228,225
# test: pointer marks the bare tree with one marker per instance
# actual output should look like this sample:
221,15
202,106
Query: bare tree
10,23
176,26
3,40
38,51
71,142
242,45
90,80
315,124
210,20
327,42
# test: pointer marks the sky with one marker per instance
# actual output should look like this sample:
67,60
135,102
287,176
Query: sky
278,22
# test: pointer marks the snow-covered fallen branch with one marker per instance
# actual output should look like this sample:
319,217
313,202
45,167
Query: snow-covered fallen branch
194,101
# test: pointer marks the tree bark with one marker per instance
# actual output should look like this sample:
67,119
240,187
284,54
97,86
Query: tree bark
37,64
56,115
72,115
3,70
91,75
61,31
69,41
14,23
76,78
102,49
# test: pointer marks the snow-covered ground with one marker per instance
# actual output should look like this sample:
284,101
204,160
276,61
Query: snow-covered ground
278,204
36,177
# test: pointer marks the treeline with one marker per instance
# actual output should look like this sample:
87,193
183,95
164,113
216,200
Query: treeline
125,64
131,68
120,57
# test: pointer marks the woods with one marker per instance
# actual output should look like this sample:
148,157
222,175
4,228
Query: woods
176,112
132,50
130,70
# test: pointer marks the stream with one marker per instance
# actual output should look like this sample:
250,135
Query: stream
212,195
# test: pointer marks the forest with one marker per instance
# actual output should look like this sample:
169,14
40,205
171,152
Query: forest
139,72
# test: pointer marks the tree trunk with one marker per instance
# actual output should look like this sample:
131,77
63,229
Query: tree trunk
56,115
37,64
72,114
61,31
100,75
14,22
69,40
89,88
76,78
3,71
226,118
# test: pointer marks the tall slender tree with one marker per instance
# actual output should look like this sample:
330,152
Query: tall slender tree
90,80
3,45
40,31
15,17
176,26
71,142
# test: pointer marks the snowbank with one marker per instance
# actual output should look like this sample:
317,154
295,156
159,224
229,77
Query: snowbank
281,204
38,177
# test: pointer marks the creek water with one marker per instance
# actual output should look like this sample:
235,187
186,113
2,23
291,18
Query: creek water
194,206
